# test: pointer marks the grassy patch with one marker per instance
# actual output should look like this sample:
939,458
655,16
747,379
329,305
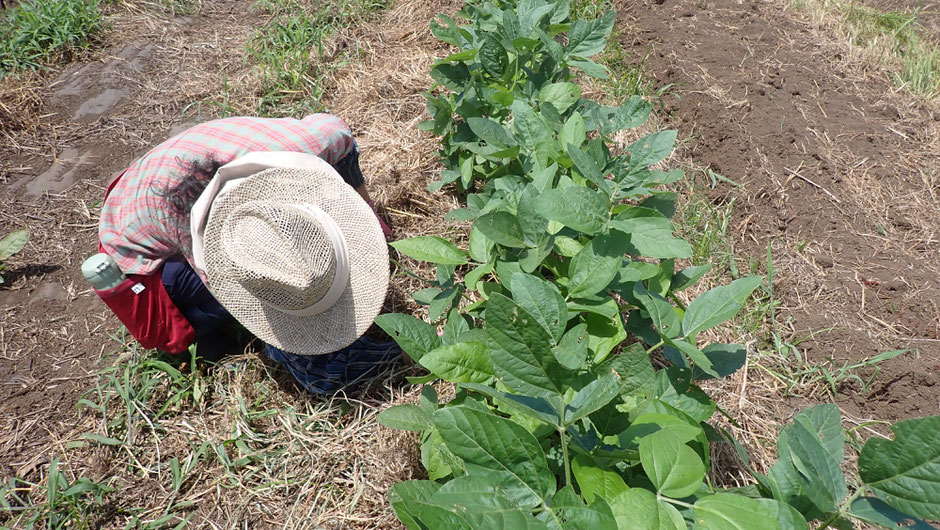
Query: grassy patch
35,32
893,37
290,53
628,77
171,446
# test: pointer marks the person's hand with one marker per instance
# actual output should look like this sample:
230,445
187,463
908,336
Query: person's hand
385,228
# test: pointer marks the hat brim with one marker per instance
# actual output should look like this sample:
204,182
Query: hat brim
345,321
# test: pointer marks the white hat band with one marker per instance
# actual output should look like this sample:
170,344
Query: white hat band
341,255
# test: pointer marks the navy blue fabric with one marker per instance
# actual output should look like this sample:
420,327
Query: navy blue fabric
345,369
215,337
212,322
348,168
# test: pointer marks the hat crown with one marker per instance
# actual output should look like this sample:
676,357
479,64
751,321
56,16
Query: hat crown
279,253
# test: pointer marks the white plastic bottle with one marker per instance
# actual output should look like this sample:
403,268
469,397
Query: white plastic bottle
102,272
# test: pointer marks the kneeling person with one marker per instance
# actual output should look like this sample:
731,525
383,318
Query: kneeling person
260,221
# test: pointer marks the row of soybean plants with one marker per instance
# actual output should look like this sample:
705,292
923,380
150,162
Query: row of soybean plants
547,321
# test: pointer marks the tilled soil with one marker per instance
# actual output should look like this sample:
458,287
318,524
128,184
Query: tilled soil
840,177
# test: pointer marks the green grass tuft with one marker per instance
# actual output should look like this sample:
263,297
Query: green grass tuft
289,50
35,32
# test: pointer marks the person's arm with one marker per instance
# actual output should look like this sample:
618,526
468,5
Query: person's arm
364,193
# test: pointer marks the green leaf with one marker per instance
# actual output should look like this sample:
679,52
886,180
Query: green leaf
405,418
407,497
687,277
533,257
701,361
480,245
450,32
572,349
452,76
809,459
905,472
560,95
432,249
594,481
539,408
588,37
602,306
652,237
728,511
492,132
825,421
437,459
543,301
587,166
662,313
478,501
568,512
788,517
639,509
634,368
429,399
590,68
645,424
458,57
632,113
597,264
531,127
725,360
443,302
651,148
416,337
464,362
592,397
13,243
875,511
572,132
582,209
502,228
427,295
605,334
472,277
717,305
521,349
498,444
673,467
493,57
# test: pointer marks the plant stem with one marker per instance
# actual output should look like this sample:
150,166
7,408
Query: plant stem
655,347
674,298
674,501
842,510
408,272
564,454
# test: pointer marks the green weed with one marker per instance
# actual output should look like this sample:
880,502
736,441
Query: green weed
63,504
289,50
10,245
34,32
786,362
920,67
704,223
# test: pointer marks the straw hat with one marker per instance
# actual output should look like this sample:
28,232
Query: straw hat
297,257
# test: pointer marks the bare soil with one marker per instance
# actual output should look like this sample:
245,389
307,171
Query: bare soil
840,176
839,168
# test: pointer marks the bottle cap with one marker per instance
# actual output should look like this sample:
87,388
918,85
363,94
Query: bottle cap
102,272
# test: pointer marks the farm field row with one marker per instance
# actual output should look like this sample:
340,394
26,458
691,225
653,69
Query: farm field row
828,208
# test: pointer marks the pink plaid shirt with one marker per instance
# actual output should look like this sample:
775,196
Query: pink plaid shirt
135,227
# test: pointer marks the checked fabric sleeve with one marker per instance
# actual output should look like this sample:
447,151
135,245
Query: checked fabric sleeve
136,227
